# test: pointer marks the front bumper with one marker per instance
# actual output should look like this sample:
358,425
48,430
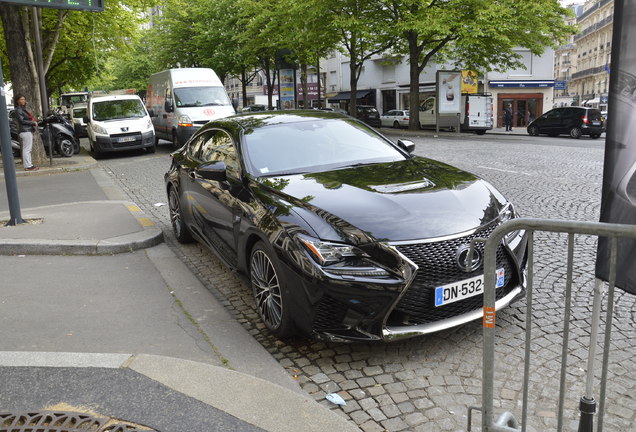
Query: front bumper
124,141
390,310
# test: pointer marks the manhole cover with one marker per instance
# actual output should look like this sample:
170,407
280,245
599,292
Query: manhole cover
58,421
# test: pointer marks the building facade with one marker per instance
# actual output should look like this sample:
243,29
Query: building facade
565,65
590,83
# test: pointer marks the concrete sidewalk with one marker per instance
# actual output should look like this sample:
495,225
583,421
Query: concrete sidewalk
98,318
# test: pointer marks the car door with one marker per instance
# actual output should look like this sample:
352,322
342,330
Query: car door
387,119
551,123
427,112
215,200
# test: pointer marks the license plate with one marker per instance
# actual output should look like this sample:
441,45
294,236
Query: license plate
126,139
596,123
464,289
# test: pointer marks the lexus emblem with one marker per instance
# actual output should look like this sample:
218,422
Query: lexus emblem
124,129
461,257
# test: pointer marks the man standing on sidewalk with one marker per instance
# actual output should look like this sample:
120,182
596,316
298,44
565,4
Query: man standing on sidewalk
26,126
508,118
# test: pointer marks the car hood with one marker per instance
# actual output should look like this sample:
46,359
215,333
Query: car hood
407,200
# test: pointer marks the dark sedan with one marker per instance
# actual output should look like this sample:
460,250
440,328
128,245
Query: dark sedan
342,234
574,121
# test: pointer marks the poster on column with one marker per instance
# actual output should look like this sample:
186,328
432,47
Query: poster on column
449,88
287,89
618,202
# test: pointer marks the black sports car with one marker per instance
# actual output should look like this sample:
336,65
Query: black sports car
342,234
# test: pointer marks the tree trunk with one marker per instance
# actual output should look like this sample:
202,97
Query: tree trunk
353,83
414,86
303,85
22,78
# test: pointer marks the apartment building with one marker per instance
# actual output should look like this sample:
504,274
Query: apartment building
590,83
565,65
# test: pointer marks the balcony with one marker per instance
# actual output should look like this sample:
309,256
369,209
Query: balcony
599,25
588,72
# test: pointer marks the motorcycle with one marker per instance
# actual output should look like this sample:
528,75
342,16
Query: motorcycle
65,142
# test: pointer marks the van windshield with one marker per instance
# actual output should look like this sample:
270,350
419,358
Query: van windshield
200,96
118,109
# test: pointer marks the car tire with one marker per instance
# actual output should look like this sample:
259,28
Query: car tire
65,146
480,132
270,293
576,132
175,140
396,124
595,136
179,228
152,148
533,131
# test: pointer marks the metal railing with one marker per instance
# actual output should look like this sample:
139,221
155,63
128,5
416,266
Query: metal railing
507,421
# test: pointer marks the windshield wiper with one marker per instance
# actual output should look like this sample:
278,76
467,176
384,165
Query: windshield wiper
213,104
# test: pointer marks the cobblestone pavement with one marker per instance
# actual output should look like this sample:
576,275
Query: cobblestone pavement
427,383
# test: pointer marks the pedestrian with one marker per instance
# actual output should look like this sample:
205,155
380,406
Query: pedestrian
508,118
26,126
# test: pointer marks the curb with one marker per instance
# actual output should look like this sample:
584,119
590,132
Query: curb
250,399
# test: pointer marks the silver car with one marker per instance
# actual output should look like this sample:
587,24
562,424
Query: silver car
395,118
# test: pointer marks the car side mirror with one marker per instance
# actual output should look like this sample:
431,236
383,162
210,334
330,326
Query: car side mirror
86,119
215,171
168,105
408,146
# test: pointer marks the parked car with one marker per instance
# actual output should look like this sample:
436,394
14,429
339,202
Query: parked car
118,123
368,114
395,118
305,204
255,107
575,121
77,120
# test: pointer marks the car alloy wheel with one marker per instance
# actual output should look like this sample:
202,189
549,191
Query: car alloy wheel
533,130
268,292
396,125
576,132
181,232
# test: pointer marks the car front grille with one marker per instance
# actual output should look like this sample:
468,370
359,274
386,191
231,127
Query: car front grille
330,313
437,266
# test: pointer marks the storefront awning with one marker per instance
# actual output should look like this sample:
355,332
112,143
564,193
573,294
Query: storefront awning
345,96
592,101
522,83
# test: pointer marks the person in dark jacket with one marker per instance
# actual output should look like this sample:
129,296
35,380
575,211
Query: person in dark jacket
508,118
26,126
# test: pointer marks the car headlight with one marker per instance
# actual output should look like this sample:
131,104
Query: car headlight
506,214
149,125
100,129
185,121
341,259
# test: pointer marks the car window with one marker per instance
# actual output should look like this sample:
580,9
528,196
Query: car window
314,146
219,146
391,113
553,114
594,114
428,105
195,145
116,109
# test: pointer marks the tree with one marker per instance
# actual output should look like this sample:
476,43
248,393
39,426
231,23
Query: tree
365,30
18,28
478,35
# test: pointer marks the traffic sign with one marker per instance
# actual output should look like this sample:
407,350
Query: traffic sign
85,5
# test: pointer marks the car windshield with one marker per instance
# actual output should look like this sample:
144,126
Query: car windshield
313,146
79,112
200,96
118,109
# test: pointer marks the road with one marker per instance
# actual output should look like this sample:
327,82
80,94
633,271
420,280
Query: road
427,383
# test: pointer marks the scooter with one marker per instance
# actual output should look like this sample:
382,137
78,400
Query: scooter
65,142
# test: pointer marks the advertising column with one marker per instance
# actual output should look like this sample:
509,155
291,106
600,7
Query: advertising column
287,87
618,204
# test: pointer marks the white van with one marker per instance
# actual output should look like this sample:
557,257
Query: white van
118,122
183,100
476,113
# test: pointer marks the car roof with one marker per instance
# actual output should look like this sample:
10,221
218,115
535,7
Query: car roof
113,97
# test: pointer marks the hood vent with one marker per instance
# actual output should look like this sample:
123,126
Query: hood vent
403,187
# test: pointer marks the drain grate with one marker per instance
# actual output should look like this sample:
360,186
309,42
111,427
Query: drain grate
61,421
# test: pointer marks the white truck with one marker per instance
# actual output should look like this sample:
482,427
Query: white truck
182,100
476,113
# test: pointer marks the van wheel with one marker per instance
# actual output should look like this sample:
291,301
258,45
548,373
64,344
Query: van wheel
576,132
175,141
